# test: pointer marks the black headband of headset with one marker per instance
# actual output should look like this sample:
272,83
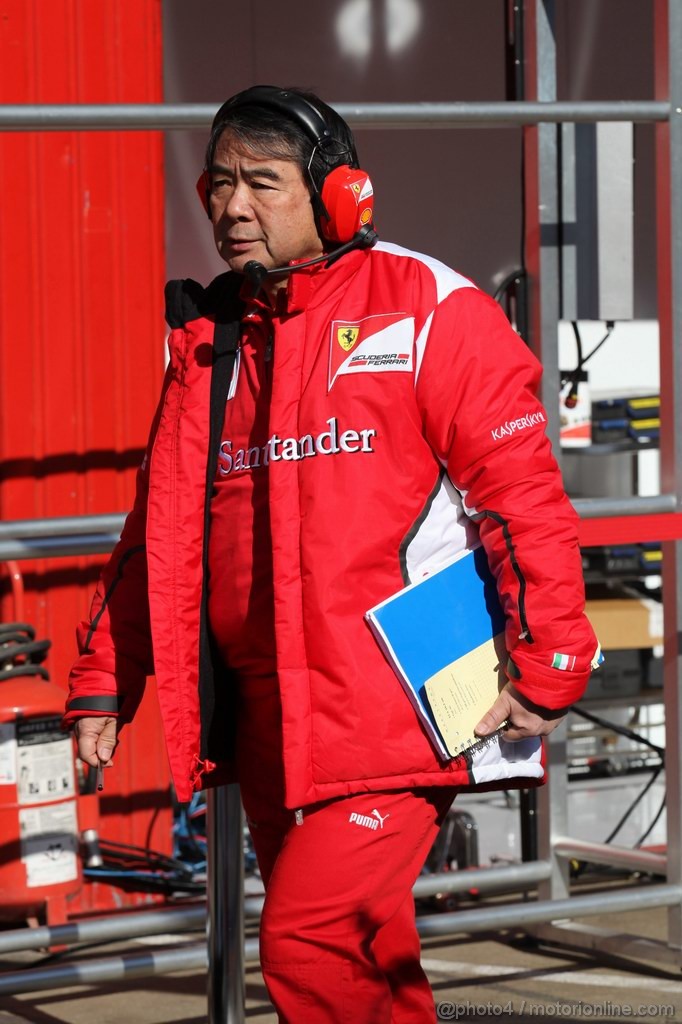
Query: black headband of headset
285,102
293,106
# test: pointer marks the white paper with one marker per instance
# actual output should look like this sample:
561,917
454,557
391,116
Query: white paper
45,771
49,843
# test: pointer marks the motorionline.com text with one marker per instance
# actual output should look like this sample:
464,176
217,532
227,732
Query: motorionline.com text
574,1010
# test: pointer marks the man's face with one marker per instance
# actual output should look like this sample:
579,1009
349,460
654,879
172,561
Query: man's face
260,208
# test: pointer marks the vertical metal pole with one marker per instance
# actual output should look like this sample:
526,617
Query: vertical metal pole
225,895
668,64
542,236
528,810
541,186
553,817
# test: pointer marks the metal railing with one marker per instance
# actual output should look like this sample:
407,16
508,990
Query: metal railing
97,534
196,956
183,116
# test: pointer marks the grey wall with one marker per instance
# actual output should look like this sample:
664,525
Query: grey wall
449,193
606,52
456,193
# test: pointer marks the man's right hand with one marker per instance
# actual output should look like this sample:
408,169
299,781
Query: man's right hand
96,740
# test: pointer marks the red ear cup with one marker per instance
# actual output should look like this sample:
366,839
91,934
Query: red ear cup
204,190
348,198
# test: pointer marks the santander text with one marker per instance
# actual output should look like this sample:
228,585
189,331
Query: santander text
328,442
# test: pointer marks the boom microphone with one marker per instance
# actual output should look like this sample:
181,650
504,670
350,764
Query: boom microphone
256,272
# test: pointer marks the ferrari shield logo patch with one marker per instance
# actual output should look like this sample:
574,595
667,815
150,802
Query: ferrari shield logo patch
346,337
374,344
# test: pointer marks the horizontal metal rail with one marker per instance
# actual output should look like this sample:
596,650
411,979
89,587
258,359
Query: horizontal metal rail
182,116
616,856
57,547
596,508
61,526
194,957
89,535
105,929
59,537
511,877
518,915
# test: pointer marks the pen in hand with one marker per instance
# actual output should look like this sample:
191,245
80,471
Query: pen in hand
100,777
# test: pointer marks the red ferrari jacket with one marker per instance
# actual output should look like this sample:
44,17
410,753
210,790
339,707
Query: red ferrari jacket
404,428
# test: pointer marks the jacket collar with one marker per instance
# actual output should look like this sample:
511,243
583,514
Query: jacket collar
307,287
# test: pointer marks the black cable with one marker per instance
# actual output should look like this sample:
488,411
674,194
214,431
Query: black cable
18,627
20,652
610,324
659,812
579,344
573,377
24,670
33,650
139,869
151,859
14,636
640,796
151,882
622,729
637,738
507,282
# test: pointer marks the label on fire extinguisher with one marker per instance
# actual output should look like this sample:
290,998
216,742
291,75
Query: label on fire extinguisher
49,843
44,761
8,754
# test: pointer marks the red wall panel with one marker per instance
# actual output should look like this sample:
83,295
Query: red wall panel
81,318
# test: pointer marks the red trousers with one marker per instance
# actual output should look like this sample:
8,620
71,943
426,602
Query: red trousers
338,940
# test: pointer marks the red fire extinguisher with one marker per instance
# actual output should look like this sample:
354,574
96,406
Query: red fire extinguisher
39,836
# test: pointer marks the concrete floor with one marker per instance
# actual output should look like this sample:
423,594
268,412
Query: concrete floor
486,977
506,976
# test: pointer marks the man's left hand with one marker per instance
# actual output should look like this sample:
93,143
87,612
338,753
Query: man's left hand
523,718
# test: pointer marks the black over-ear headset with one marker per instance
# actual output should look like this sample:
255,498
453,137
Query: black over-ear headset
343,201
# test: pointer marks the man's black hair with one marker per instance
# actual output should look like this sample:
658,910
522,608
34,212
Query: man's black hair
266,130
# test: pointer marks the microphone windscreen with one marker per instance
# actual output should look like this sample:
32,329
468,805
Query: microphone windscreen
256,273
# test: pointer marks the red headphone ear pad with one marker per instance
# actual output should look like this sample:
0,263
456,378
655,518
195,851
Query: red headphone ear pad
348,198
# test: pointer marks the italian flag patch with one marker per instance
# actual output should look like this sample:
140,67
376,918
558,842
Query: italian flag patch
564,662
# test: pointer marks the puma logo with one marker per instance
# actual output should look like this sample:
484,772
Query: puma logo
366,821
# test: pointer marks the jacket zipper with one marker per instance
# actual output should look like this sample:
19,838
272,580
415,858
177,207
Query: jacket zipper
298,816
269,347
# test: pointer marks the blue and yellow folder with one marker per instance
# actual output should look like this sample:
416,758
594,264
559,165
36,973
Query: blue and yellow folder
444,637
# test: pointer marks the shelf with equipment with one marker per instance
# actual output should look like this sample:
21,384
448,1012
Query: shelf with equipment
622,561
623,446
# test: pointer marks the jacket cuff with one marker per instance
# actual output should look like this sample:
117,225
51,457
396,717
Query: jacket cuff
104,704
553,689
91,707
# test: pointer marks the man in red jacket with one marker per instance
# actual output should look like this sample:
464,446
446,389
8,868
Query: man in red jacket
340,417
